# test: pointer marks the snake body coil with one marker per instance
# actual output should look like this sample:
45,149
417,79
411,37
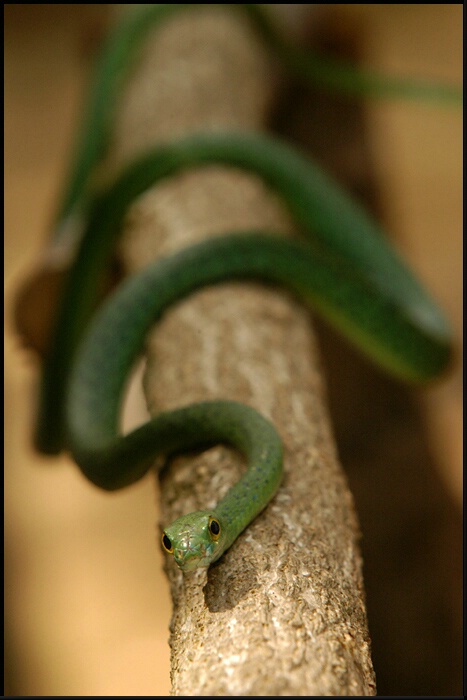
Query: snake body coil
344,269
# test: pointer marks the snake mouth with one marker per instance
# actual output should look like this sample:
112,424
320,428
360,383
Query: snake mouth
193,557
191,564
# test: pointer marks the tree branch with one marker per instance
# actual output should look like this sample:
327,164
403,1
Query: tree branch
282,612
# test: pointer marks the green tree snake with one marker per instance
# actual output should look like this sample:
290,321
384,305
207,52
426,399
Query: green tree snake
344,268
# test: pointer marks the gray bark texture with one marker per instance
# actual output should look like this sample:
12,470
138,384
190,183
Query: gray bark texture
282,612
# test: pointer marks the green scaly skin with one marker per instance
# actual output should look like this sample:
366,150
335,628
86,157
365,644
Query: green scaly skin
121,50
345,270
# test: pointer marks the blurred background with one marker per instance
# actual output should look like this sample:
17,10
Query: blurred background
87,603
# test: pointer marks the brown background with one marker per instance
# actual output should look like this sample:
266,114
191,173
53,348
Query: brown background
87,603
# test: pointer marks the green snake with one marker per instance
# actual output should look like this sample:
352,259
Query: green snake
343,267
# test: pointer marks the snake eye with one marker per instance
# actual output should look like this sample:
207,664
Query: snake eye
167,544
214,528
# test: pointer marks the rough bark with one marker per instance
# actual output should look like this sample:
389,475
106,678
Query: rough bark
282,612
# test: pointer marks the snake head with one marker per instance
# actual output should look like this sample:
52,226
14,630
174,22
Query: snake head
195,540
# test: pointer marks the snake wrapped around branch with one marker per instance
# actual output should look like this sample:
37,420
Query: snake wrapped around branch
344,268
